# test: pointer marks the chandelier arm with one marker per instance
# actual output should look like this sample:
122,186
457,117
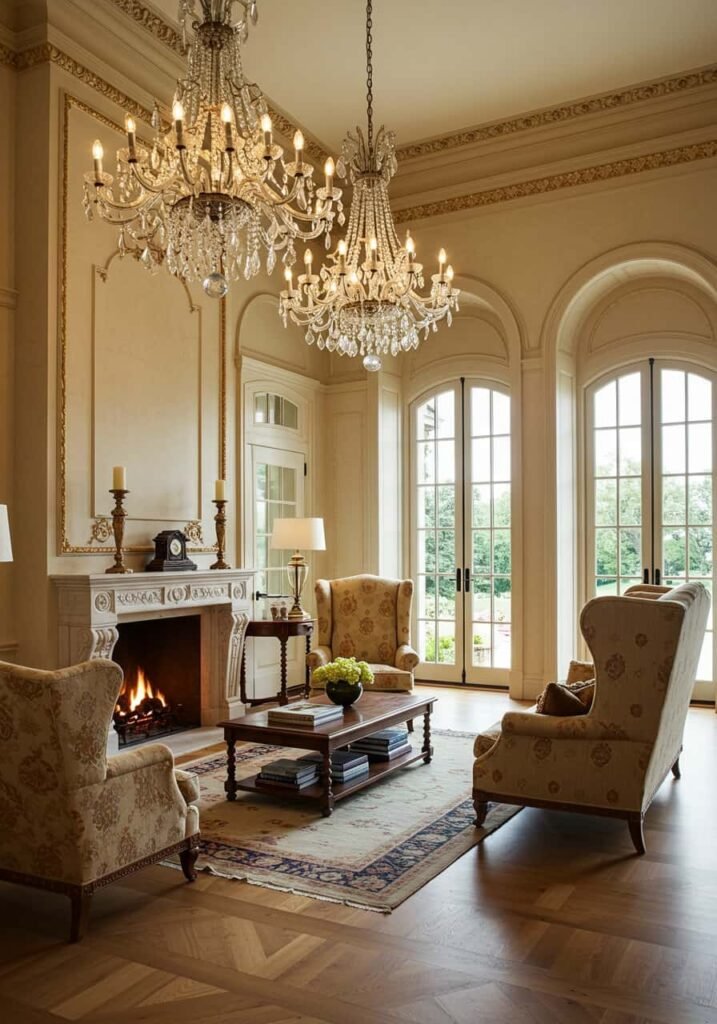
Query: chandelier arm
369,78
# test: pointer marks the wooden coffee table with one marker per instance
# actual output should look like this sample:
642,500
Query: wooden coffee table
373,711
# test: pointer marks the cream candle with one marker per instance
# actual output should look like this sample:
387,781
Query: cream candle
219,490
119,478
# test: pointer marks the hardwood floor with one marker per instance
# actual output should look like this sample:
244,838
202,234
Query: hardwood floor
552,920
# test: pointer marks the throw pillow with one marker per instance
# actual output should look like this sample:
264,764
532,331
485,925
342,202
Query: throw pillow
561,700
580,672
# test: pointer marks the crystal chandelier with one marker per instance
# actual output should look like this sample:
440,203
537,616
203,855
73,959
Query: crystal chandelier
367,300
213,191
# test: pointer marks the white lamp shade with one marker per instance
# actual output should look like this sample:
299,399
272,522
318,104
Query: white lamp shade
298,534
5,545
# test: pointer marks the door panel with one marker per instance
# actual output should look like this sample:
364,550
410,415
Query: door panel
277,492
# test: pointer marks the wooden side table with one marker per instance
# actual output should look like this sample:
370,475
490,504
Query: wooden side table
282,629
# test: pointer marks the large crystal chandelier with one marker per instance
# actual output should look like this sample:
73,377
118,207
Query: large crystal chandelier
213,191
367,300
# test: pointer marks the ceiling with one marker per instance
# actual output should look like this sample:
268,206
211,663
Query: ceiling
443,65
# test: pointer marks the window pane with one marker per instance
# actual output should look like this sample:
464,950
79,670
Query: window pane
606,552
501,504
605,587
630,552
481,551
446,643
673,449
501,645
481,599
480,468
501,552
480,412
445,414
699,489
605,452
446,506
501,458
605,406
274,478
426,551
426,507
502,599
426,421
673,500
426,463
481,504
427,641
700,550
699,397
630,451
446,551
481,644
446,597
673,396
289,484
704,667
446,461
605,502
501,413
630,501
426,597
629,399
674,553
700,448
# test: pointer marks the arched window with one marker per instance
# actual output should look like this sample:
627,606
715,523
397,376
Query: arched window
461,532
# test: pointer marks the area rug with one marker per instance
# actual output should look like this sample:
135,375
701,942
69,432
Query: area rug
378,847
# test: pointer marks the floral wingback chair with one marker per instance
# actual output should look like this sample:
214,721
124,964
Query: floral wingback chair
612,760
369,618
72,818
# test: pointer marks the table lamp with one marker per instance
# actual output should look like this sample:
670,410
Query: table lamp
5,545
301,535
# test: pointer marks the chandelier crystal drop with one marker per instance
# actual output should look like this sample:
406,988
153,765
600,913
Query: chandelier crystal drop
367,300
212,193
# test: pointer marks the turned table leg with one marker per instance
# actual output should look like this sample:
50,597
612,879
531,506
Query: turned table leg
327,804
307,680
427,749
230,786
283,695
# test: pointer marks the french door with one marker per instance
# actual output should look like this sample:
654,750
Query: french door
650,495
276,492
461,533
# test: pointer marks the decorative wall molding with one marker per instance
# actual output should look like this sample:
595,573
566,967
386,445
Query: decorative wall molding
565,179
608,101
97,542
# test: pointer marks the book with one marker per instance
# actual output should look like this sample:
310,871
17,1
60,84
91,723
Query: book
353,773
340,759
304,714
291,770
368,745
289,786
392,733
389,755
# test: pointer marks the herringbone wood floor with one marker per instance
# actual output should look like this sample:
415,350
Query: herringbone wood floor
552,920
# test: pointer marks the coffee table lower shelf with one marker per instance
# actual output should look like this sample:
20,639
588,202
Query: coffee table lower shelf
377,769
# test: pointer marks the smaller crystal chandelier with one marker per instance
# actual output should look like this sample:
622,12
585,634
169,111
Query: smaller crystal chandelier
213,191
367,301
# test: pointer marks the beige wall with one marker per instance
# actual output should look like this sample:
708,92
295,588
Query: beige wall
514,262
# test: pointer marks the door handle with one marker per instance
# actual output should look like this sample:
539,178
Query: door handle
657,577
645,575
458,580
467,579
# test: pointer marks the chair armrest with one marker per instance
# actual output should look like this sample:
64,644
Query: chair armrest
560,727
406,658
135,760
318,657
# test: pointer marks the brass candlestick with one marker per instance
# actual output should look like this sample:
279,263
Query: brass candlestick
221,520
118,517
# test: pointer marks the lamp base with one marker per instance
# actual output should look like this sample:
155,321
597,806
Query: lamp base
297,614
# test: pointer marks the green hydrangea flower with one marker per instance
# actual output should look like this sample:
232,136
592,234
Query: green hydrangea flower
343,668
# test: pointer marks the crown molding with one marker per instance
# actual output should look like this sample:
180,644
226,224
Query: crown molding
597,174
566,112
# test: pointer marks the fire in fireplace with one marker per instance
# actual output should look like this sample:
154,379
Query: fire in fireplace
142,710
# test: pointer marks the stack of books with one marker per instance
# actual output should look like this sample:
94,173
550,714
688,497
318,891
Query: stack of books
384,745
346,765
290,774
305,713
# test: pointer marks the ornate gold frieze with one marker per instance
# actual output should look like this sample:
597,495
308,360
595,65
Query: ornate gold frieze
566,112
101,529
566,179
193,532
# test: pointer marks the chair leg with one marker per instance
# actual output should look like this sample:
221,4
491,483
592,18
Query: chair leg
676,769
80,903
409,723
188,858
636,833
481,806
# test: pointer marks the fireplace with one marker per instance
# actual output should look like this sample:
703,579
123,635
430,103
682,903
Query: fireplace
161,690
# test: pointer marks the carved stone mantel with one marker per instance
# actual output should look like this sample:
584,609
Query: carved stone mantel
90,608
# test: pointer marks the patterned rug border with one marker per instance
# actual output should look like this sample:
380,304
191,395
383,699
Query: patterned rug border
439,843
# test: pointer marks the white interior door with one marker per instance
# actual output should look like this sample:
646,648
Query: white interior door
277,492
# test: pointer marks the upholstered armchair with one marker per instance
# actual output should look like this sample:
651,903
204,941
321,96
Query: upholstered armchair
612,760
73,819
368,618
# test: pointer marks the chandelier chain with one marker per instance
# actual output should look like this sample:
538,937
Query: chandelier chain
369,72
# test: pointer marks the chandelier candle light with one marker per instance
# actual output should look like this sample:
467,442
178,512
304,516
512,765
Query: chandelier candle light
367,301
302,535
212,191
